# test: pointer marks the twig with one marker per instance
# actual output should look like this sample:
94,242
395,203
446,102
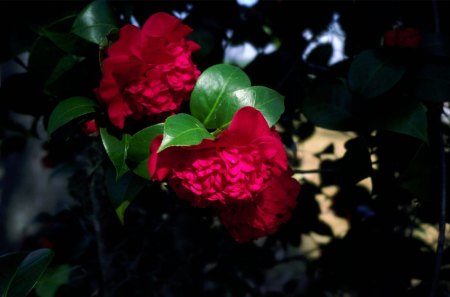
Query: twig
443,206
313,171
442,178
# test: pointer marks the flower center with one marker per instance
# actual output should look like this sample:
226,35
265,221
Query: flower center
227,175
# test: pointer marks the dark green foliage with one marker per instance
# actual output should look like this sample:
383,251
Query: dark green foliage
128,236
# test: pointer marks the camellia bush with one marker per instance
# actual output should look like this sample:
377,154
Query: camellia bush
188,173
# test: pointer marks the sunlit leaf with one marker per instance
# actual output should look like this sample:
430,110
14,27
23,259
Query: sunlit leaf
183,130
212,100
223,89
268,101
372,74
68,110
117,150
95,21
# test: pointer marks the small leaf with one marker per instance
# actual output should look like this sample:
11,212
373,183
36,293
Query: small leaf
94,22
68,110
371,74
120,210
52,279
25,276
117,150
139,148
183,130
410,119
268,101
212,98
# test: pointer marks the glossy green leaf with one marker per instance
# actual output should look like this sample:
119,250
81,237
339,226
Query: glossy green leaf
139,148
142,170
183,130
372,74
52,279
212,100
57,33
268,101
328,105
117,150
95,21
68,110
20,272
432,83
410,119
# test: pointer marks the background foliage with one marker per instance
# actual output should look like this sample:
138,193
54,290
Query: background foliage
119,235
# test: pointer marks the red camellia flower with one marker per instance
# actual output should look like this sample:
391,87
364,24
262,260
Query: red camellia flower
90,128
148,72
243,173
402,37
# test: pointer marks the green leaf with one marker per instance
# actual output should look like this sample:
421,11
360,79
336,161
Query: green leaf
20,272
142,170
432,83
95,22
329,105
123,190
372,74
183,130
410,119
58,33
120,210
52,279
68,110
139,148
65,64
269,102
117,150
9,264
212,100
44,56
